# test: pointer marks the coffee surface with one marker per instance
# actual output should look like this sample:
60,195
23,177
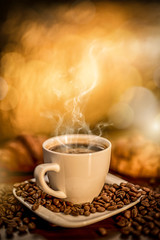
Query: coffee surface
76,148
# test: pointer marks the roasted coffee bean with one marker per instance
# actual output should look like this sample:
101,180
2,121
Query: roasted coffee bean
16,185
133,194
112,203
26,187
127,214
126,189
123,184
56,201
133,189
129,185
81,211
68,211
112,189
106,198
26,220
86,213
106,205
122,222
111,208
145,203
23,229
150,225
126,201
136,225
100,209
136,232
35,206
74,213
117,199
144,212
106,187
19,193
30,189
148,218
155,231
10,216
13,224
86,208
140,220
115,186
157,195
102,231
137,186
120,202
146,230
146,189
17,219
134,212
57,210
31,226
93,210
141,208
157,223
120,205
143,192
19,214
126,230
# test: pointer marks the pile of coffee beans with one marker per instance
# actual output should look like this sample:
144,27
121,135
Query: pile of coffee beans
111,198
13,216
144,218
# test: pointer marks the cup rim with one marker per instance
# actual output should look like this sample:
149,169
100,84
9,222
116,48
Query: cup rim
85,136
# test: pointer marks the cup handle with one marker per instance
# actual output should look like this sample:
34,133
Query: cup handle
39,173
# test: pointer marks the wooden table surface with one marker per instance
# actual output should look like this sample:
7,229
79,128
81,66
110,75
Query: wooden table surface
45,231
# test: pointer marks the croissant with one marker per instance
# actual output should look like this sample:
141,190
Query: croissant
136,156
21,154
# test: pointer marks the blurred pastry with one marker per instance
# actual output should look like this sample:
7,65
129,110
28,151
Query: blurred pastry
21,154
136,156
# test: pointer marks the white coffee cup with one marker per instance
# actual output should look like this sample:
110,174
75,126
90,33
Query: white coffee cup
76,177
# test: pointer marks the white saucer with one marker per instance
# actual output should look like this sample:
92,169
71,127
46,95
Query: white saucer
69,221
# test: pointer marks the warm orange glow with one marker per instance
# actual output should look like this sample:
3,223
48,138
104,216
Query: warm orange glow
68,66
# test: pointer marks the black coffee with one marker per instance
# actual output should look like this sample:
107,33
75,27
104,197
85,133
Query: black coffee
77,148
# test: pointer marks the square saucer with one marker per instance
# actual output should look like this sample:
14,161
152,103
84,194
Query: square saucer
70,221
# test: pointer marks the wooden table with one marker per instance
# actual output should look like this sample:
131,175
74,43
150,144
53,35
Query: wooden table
89,232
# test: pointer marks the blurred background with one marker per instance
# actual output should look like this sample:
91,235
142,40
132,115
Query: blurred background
79,66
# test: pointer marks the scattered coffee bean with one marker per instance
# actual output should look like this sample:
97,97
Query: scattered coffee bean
141,219
126,230
23,229
144,217
21,218
26,220
102,231
127,214
31,226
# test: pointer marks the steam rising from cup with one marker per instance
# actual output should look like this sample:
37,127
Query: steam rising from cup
68,68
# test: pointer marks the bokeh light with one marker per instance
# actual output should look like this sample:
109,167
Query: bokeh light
10,101
121,115
156,77
79,64
3,88
143,103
